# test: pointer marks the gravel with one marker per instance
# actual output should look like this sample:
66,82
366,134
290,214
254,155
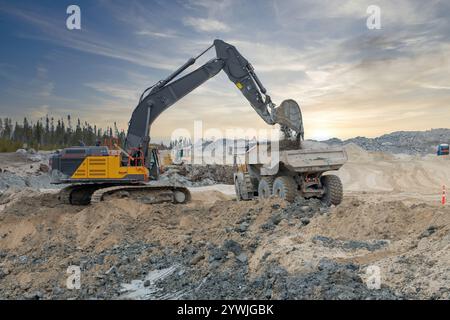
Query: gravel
406,142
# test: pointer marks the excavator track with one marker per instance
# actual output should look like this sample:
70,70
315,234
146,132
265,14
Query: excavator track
145,193
79,194
64,195
84,194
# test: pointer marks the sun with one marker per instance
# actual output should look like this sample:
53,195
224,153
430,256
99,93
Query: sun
320,134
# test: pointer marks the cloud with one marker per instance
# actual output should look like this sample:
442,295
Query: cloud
87,41
206,25
435,87
348,80
116,91
47,89
167,34
40,111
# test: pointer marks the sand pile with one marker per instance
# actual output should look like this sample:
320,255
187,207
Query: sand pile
371,171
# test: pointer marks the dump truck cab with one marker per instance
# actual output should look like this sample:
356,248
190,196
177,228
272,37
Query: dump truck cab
443,149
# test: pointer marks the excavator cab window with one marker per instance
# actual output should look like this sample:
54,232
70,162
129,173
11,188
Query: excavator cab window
137,158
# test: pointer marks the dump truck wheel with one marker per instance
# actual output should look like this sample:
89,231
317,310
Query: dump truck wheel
285,187
265,187
332,186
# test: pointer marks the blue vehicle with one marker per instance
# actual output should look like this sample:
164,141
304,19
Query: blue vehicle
442,149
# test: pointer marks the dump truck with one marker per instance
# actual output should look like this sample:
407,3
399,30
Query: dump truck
302,172
267,170
443,149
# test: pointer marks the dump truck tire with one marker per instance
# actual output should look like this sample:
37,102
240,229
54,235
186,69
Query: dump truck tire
333,190
285,187
265,187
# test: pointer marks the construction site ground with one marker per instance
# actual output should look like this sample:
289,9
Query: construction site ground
214,247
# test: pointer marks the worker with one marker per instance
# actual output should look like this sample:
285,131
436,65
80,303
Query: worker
137,156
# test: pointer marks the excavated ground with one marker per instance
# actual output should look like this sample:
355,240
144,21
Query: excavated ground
224,249
215,247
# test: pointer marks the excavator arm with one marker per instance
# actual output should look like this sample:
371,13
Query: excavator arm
168,91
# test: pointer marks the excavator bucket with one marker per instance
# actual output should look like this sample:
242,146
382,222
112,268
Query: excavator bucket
288,114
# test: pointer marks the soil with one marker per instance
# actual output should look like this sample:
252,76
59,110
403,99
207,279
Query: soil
214,247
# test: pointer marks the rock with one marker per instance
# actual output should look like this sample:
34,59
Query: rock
423,244
3,272
214,265
276,219
113,269
36,295
197,259
304,208
21,151
36,158
217,254
243,226
267,226
232,246
147,283
428,232
242,258
304,221
406,142
43,167
329,242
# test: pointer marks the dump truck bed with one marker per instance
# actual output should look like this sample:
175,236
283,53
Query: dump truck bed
310,160
301,160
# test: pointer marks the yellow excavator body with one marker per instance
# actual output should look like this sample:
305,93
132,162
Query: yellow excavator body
107,167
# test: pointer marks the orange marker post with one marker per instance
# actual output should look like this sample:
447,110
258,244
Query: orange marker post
444,196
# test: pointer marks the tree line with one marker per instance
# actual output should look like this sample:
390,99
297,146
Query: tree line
49,133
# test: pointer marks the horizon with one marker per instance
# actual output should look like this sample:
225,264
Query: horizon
348,79
167,140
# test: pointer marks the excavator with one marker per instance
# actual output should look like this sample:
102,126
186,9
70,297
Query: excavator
94,173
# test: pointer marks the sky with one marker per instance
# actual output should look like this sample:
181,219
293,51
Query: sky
349,80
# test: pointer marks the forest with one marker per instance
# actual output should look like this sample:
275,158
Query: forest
49,133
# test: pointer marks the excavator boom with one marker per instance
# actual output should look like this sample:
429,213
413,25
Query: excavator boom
168,91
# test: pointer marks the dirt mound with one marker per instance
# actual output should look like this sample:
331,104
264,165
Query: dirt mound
222,249
197,175
217,173
357,154
370,172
